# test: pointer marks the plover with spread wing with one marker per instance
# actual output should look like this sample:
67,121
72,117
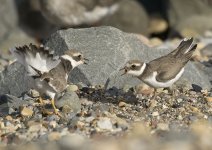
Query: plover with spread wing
163,71
49,73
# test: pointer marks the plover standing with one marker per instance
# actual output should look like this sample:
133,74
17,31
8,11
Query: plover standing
163,71
49,73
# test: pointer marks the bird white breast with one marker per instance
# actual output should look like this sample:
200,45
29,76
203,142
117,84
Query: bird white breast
73,62
156,84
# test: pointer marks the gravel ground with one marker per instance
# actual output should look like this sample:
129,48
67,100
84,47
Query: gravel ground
114,119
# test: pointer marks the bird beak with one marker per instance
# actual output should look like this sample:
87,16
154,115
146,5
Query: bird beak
85,59
125,71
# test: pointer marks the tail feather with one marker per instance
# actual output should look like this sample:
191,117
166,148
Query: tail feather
188,54
39,58
183,47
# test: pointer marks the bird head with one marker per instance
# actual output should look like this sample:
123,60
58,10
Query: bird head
134,67
76,58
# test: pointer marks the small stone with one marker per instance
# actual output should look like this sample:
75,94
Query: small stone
34,93
9,118
69,99
53,124
26,112
180,117
153,103
122,123
165,107
208,99
105,123
144,89
71,141
155,114
194,109
163,126
35,127
122,104
179,100
89,119
72,88
53,136
155,42
80,124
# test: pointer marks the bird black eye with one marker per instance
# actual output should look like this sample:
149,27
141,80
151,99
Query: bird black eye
133,66
79,56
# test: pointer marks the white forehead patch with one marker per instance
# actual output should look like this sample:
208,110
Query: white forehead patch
130,64
74,63
137,72
77,54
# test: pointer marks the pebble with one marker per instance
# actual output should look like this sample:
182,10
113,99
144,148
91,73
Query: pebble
89,119
72,88
26,112
34,93
122,104
163,126
53,136
9,118
209,99
104,124
156,113
35,127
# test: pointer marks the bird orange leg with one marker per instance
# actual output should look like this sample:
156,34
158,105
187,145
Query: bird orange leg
41,100
154,94
55,109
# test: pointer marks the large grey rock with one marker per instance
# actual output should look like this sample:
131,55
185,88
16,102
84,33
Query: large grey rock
13,81
108,49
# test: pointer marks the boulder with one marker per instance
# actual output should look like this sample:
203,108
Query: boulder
13,81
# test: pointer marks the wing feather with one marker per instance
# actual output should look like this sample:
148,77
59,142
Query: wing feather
39,58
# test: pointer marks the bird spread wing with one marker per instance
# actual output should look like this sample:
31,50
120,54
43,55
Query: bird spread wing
33,57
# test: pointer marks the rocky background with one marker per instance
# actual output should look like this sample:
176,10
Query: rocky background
101,109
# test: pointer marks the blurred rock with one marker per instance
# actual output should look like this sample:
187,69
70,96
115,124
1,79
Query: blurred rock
15,37
194,26
207,51
26,112
104,124
67,13
130,17
157,25
8,17
190,18
32,21
179,11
